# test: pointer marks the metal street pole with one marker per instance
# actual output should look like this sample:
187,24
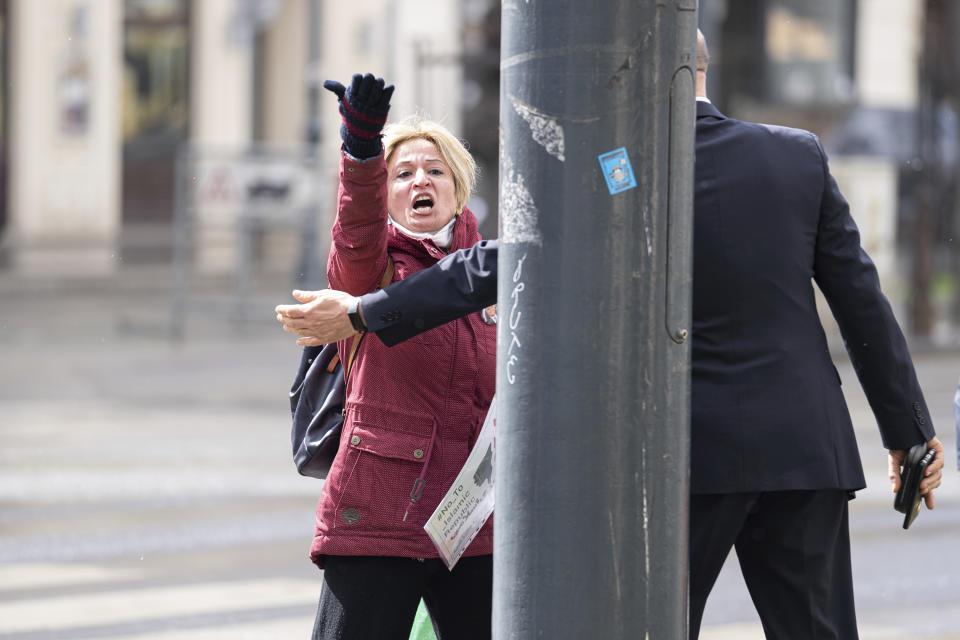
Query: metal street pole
310,272
596,192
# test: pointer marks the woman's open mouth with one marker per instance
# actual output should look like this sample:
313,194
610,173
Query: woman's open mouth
423,204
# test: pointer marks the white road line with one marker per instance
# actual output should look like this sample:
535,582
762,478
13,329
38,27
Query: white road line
133,605
246,631
19,577
732,632
755,632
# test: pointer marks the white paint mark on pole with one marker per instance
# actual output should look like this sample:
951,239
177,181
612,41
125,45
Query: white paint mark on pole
518,212
546,131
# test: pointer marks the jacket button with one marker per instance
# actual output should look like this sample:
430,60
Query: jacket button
418,453
355,440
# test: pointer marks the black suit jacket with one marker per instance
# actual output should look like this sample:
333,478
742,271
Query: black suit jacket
767,409
460,283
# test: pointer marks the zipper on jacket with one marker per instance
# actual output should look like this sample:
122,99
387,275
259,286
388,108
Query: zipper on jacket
415,494
420,483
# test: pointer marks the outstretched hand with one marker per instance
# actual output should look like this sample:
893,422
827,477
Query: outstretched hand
364,106
321,317
932,475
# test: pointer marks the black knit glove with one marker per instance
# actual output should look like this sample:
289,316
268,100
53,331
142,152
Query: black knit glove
364,108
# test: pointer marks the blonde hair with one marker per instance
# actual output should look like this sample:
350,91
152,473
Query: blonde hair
451,149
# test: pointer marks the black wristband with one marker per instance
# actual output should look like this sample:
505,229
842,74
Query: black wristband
353,312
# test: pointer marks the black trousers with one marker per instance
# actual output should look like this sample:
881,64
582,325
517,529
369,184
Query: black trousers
367,597
794,551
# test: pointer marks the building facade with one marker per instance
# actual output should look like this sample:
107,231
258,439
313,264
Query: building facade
858,74
102,97
101,100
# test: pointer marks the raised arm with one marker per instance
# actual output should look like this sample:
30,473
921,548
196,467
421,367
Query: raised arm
358,254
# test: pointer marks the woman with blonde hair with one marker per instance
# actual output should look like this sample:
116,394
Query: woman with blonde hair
412,412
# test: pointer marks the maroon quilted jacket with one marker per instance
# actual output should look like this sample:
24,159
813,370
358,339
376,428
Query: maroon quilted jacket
413,411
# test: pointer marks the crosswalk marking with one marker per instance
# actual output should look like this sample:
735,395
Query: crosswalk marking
246,631
755,632
134,605
16,578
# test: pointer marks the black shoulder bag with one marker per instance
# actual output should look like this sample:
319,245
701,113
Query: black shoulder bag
316,402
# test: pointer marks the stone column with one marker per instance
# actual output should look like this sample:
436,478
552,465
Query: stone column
221,99
64,173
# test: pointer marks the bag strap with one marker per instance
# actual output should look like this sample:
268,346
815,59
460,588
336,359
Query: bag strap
384,281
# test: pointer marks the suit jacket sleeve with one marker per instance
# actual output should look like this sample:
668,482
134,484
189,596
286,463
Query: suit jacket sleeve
877,347
461,283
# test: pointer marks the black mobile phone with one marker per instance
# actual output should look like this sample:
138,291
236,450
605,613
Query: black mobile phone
908,497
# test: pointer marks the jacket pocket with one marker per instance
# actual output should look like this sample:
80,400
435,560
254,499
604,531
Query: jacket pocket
381,467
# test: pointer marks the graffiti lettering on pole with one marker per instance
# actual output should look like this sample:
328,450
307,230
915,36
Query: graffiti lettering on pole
515,313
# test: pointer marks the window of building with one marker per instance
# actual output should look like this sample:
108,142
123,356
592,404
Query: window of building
155,104
793,53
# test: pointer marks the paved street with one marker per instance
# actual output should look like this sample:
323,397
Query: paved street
146,487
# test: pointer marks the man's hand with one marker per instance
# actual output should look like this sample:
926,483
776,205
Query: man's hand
931,477
321,318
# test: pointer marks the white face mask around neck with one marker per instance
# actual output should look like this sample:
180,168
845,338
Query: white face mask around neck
442,237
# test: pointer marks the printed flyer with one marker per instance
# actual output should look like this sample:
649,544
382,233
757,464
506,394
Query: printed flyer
469,502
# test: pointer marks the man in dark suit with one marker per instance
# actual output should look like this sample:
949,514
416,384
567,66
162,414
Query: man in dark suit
773,452
774,459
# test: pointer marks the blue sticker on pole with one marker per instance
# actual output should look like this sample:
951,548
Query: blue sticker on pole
617,170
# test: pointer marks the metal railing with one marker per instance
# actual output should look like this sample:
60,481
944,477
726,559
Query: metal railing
225,202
